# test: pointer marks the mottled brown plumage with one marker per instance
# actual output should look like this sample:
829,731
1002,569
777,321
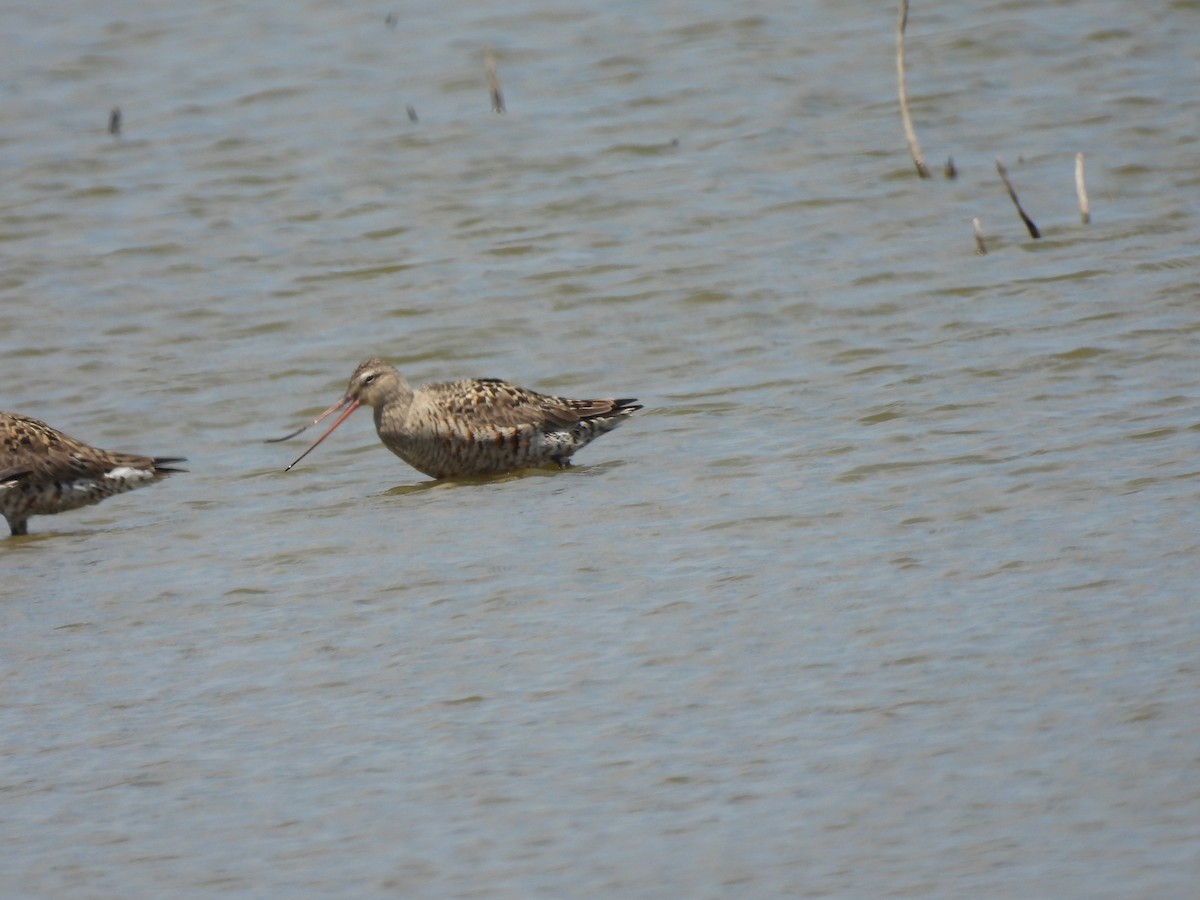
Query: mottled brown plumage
475,427
43,471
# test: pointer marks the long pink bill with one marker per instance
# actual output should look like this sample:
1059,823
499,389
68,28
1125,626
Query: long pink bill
351,407
292,434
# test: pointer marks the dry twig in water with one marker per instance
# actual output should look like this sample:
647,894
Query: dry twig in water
980,246
1033,229
902,87
1085,211
489,62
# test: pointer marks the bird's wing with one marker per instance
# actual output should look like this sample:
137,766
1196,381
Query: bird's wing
491,401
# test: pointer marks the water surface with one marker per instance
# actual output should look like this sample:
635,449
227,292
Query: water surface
888,591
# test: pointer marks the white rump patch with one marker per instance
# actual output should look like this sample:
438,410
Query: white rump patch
127,473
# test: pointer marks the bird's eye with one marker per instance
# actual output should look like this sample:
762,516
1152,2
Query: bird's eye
368,380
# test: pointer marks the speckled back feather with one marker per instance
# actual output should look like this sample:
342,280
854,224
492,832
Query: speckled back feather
493,402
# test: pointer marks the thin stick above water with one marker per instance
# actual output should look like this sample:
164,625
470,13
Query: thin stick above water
902,86
1033,229
489,63
980,246
1085,212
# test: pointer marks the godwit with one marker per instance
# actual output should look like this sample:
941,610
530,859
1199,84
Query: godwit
43,471
476,427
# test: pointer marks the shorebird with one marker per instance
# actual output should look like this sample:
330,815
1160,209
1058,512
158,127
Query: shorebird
43,471
481,426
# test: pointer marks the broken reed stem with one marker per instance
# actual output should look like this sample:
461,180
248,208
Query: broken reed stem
1085,212
489,62
902,87
1033,229
114,120
980,246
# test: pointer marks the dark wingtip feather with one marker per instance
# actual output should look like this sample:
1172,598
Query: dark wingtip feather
164,465
587,410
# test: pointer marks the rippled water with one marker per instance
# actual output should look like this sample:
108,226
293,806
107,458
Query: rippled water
888,591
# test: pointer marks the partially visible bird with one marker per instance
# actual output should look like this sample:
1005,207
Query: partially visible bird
479,426
43,471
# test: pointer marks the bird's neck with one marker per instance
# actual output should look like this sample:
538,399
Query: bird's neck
396,406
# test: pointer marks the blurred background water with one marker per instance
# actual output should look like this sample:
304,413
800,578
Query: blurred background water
888,591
